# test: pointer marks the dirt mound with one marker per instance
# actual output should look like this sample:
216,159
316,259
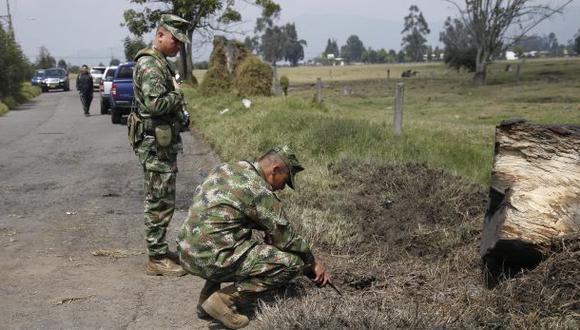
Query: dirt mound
417,264
411,207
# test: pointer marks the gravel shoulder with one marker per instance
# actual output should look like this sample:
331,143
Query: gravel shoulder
70,188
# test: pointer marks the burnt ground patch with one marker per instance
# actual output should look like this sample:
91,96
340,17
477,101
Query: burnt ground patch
410,208
417,263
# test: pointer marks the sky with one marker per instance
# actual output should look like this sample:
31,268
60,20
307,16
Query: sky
89,31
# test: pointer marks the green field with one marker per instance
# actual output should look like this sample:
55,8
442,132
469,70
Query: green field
398,219
447,122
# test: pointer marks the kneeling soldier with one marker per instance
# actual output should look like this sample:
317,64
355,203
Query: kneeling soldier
216,242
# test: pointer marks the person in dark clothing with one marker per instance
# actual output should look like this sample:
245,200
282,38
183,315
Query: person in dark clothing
85,88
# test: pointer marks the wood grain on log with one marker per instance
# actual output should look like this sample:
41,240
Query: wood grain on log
535,188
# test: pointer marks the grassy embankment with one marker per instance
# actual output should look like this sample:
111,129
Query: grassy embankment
27,93
401,239
447,122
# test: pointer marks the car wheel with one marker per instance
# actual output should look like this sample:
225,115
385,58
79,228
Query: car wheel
115,116
104,107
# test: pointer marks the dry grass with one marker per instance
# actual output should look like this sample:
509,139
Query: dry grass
422,271
398,220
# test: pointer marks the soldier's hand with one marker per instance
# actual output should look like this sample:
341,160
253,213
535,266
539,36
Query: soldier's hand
176,85
322,277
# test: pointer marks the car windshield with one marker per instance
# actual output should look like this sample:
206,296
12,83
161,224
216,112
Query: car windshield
125,72
110,73
54,72
97,71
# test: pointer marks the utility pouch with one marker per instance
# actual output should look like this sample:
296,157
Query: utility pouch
135,129
163,135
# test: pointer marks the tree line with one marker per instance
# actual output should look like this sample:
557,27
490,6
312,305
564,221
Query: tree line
14,66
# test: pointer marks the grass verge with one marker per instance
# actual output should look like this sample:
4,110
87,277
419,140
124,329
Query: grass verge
398,218
27,92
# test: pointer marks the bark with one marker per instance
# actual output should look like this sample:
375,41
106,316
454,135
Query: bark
535,192
189,61
480,77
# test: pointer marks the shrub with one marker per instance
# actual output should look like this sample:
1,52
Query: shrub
285,83
10,102
253,77
3,109
217,80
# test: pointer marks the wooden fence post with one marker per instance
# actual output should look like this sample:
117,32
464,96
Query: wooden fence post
319,90
399,105
387,81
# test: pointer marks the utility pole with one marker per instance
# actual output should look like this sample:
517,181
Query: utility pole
8,18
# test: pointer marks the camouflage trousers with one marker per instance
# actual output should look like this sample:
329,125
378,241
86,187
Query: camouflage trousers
159,207
262,268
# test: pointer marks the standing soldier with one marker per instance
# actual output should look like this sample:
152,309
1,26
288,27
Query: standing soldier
217,243
85,88
154,134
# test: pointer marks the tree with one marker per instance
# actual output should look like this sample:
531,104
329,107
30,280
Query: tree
401,57
114,61
415,30
44,59
278,42
577,43
205,17
252,43
272,44
488,22
293,47
370,56
353,49
553,44
460,50
382,56
393,56
331,48
437,53
14,66
132,46
62,64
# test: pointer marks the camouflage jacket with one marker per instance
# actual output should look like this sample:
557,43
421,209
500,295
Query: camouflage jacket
153,86
233,201
157,103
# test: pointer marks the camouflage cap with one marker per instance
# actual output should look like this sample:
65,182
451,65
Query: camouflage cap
176,25
292,163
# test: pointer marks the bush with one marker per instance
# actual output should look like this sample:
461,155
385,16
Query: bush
3,109
10,102
285,83
14,67
253,77
217,80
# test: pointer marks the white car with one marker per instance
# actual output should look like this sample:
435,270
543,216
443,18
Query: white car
97,74
105,88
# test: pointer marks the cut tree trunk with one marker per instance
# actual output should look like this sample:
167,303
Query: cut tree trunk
534,195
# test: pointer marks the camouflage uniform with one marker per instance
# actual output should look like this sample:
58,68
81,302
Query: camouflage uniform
217,242
157,104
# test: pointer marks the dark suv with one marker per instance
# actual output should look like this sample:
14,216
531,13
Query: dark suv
55,78
121,97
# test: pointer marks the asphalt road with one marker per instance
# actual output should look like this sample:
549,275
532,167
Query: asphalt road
71,187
